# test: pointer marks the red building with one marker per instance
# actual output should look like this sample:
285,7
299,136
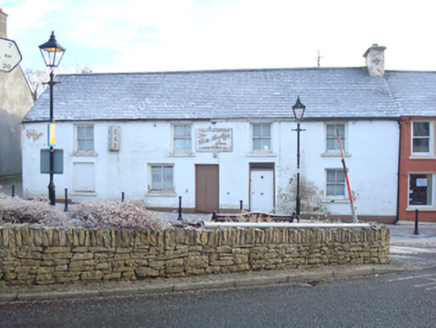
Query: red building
417,178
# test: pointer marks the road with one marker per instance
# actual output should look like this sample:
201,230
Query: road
394,300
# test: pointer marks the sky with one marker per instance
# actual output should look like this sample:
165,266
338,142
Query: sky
180,35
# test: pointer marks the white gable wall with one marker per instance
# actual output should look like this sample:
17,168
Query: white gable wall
372,149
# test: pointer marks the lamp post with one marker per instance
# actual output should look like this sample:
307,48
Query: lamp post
298,110
52,53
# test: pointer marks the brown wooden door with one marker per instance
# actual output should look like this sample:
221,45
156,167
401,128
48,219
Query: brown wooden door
206,188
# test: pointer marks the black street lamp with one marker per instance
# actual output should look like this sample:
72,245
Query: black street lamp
298,110
52,52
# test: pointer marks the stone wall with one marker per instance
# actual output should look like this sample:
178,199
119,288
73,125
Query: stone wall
34,255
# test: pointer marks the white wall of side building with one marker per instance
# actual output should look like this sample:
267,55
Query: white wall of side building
371,147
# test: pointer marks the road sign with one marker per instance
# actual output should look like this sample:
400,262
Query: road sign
10,55
58,161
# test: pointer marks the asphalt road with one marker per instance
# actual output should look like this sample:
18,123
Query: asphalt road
392,300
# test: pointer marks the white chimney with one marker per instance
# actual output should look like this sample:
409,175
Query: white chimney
3,21
375,60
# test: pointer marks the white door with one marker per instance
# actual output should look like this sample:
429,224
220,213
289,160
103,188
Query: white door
262,190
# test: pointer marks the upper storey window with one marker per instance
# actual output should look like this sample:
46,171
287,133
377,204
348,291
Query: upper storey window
421,138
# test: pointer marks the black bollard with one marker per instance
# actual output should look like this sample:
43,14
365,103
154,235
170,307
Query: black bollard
66,200
416,223
122,197
241,205
180,209
13,190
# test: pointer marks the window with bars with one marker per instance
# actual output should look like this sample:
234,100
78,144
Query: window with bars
261,134
85,138
335,182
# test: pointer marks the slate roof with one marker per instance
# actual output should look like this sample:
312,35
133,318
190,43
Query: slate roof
328,93
415,92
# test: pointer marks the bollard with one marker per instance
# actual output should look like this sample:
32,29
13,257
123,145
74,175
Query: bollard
416,223
13,190
66,200
122,197
180,209
241,205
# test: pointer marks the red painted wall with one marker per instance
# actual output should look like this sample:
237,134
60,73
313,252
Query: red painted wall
415,165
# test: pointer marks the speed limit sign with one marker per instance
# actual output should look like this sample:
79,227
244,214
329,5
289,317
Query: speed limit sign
10,55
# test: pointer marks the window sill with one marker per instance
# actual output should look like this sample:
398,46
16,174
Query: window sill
334,154
190,154
422,157
335,201
84,193
84,154
423,208
261,155
161,194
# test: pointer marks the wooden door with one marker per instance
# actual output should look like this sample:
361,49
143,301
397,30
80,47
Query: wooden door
206,188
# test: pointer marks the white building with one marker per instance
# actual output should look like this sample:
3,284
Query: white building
216,138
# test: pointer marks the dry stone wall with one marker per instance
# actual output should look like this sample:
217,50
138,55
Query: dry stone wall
34,255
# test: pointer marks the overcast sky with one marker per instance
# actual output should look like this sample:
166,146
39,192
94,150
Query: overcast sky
168,35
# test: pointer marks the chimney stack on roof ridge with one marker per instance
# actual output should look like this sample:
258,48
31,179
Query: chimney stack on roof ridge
375,60
3,23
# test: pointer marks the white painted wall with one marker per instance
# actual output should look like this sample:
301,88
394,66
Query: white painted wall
372,161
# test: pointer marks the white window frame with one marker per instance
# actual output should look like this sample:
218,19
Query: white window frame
430,185
181,152
339,197
160,192
267,152
430,137
344,140
76,140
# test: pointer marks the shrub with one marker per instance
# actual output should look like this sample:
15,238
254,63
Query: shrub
17,210
115,215
95,215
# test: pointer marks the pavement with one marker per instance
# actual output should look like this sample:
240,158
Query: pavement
409,252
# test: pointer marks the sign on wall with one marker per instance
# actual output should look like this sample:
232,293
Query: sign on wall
214,140
114,138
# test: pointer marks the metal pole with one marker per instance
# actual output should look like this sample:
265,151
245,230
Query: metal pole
180,209
122,197
66,200
297,205
241,205
13,190
416,232
51,186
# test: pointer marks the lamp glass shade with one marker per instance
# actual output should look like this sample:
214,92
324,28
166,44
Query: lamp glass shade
298,110
52,52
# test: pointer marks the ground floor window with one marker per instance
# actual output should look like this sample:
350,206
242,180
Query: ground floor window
162,177
421,189
335,182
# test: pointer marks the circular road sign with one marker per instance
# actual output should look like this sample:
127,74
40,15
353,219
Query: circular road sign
10,55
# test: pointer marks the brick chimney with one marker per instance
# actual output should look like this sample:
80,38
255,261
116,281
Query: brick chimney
3,23
375,60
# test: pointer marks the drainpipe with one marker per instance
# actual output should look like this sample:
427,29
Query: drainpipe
400,129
